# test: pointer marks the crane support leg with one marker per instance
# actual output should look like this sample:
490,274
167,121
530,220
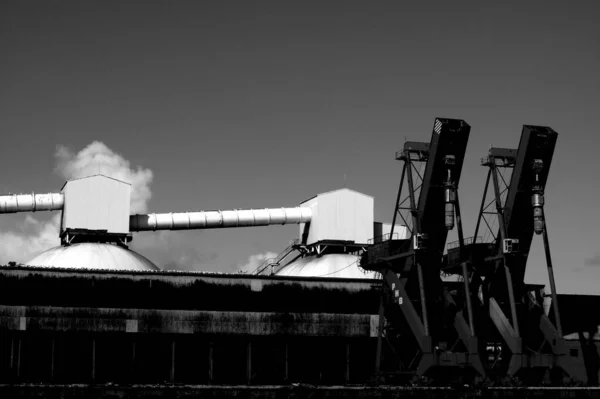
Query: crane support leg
551,279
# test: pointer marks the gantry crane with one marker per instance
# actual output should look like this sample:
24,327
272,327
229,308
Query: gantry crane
418,317
510,314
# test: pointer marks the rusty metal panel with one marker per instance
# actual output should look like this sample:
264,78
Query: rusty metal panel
186,322
186,291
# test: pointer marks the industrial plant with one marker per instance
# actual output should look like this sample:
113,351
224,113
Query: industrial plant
350,307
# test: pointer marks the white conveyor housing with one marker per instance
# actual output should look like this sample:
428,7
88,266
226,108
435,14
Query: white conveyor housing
219,219
13,203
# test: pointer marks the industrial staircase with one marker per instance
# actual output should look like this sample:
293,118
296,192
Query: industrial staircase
272,263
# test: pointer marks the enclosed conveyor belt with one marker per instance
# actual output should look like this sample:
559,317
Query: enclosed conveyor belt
219,219
14,203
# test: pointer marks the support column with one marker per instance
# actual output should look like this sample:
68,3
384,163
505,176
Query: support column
93,360
380,332
172,372
347,374
12,353
507,273
19,340
416,229
52,359
465,273
287,371
482,207
132,368
398,201
552,282
464,268
249,363
210,362
2,352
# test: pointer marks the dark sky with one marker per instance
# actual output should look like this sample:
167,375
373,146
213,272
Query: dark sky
264,104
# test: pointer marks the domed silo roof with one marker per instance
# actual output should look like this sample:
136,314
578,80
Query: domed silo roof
329,265
92,256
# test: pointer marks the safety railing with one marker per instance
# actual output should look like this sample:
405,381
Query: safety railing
468,241
384,237
274,262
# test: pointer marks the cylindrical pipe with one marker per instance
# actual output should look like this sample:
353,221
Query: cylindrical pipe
13,203
219,219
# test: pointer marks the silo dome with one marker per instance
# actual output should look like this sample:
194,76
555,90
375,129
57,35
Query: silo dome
92,256
329,265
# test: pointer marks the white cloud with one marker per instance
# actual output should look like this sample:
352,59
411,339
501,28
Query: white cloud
20,246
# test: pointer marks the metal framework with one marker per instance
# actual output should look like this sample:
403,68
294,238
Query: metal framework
512,317
269,266
419,318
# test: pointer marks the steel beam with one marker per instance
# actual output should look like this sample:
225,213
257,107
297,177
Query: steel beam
551,280
401,298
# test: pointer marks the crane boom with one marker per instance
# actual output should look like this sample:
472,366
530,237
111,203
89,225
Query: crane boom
442,172
529,176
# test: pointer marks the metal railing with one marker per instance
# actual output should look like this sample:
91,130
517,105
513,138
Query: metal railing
468,241
273,262
382,238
